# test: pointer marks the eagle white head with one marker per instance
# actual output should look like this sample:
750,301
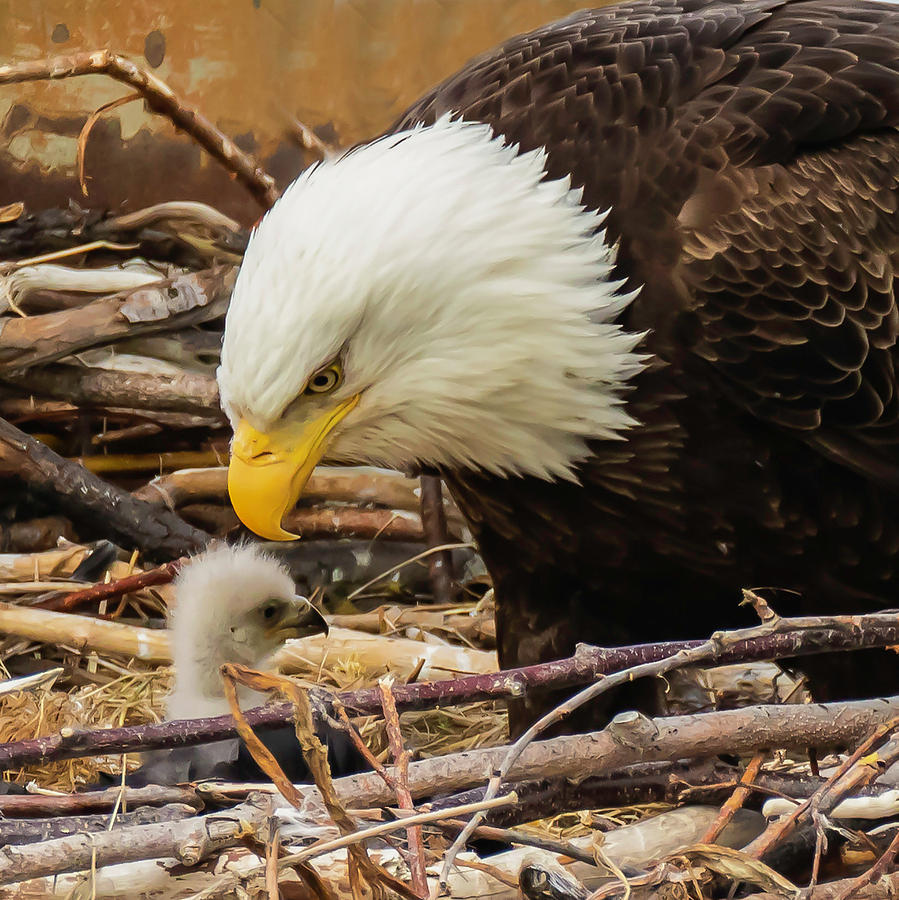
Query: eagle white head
426,298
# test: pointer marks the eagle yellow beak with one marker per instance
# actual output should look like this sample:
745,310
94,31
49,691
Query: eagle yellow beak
268,471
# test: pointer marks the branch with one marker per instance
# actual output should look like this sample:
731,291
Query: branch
433,518
109,590
712,651
33,831
415,857
160,98
801,636
158,532
187,392
189,841
186,299
85,632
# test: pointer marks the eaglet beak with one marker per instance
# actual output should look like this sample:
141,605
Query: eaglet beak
301,620
268,471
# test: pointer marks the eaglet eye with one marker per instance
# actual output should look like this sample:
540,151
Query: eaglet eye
325,380
270,610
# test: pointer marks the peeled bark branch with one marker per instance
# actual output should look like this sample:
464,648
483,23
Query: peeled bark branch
190,841
158,532
174,303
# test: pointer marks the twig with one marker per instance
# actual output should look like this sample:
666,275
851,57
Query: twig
828,795
161,98
189,840
319,849
418,556
363,872
801,636
710,651
158,532
433,519
524,839
416,854
736,800
92,120
362,747
109,590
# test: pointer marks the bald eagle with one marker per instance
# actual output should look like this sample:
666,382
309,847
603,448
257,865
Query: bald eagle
238,605
628,283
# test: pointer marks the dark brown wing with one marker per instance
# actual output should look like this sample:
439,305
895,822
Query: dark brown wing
748,153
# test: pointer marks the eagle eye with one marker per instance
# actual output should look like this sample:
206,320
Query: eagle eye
325,380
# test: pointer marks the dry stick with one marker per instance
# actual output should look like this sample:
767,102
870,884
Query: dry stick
362,747
735,801
36,805
433,520
878,871
708,652
801,636
416,855
188,298
109,590
524,839
161,98
323,847
92,120
362,870
778,830
189,840
156,531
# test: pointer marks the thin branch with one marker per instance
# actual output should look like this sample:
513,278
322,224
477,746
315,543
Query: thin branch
160,98
876,874
109,590
849,775
735,801
92,120
433,519
416,854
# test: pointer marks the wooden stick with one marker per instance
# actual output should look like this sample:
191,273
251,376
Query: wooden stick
802,636
60,805
190,841
84,633
707,653
158,532
832,790
736,800
161,98
109,590
358,485
876,874
433,518
186,299
416,853
187,393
